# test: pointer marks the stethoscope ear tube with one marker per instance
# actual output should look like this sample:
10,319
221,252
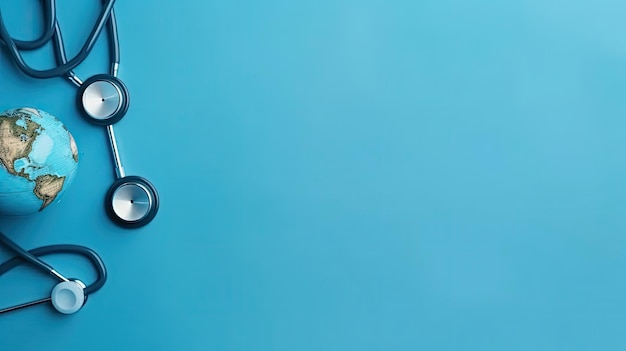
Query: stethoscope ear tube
61,69
132,202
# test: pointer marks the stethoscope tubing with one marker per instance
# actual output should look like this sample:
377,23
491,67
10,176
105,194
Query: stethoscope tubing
64,68
32,256
113,41
49,14
25,255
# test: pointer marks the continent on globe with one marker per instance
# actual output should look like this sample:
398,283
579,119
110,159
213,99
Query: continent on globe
38,160
16,141
47,187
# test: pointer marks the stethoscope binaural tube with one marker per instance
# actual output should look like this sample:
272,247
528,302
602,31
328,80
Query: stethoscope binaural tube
69,295
13,47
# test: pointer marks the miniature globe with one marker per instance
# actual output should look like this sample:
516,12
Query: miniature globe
38,161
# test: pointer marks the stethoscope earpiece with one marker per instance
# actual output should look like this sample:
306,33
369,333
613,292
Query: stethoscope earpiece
132,202
68,297
103,99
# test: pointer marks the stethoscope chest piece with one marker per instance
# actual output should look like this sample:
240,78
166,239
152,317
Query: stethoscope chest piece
68,297
132,202
103,99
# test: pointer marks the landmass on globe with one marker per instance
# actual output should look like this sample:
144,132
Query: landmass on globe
19,130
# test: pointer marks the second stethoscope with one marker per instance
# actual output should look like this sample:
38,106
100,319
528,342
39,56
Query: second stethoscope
69,295
103,99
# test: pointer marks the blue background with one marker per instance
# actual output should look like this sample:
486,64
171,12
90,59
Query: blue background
342,175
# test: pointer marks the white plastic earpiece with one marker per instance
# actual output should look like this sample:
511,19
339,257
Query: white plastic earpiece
68,297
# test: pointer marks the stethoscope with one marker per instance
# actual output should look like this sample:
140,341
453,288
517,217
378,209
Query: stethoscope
69,295
103,100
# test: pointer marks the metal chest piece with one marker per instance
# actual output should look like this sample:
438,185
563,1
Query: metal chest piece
103,99
132,202
68,297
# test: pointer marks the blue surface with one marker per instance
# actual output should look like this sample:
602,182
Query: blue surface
343,175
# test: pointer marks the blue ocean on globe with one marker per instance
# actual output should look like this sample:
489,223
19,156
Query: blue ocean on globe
38,161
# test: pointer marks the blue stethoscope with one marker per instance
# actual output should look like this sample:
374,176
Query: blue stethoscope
69,295
103,100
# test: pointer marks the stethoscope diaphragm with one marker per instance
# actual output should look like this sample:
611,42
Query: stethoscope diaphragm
132,202
103,99
68,297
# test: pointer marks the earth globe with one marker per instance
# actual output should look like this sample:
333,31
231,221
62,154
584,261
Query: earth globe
38,161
